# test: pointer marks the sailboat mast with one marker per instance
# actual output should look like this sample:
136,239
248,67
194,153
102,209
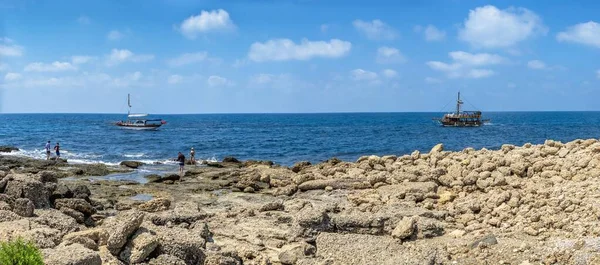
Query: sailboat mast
458,103
128,104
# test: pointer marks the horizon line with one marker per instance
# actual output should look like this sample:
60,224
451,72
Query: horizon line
264,113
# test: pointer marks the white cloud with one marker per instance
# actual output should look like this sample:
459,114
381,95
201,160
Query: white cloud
536,64
217,81
190,58
431,80
431,33
84,20
175,79
262,79
117,56
9,49
375,30
464,63
388,55
207,21
360,75
583,33
12,76
114,35
476,59
389,73
49,67
479,73
81,59
285,49
490,27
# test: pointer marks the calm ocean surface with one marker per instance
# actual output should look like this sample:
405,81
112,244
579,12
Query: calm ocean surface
282,138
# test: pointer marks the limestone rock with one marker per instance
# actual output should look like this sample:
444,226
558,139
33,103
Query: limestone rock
290,254
155,205
25,187
121,228
42,237
437,148
80,205
75,254
180,243
23,207
78,216
91,238
405,228
108,258
139,248
131,164
166,259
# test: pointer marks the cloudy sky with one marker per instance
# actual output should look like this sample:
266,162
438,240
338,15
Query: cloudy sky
234,56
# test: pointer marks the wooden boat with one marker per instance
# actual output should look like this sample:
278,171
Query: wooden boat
139,121
461,118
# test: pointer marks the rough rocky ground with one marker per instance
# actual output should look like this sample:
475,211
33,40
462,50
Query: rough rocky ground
535,204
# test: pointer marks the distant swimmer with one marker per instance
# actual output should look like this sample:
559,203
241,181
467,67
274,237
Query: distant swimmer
181,160
48,150
193,156
57,149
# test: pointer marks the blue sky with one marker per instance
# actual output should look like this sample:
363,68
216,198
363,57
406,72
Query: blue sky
235,56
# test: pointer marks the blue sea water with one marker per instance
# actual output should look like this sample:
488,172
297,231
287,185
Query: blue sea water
282,138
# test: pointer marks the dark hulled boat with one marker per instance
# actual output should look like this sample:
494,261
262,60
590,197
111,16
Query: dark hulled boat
461,118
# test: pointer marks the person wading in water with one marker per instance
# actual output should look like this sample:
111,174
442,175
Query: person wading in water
181,160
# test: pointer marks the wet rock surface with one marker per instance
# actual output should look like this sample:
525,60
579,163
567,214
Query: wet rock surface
534,204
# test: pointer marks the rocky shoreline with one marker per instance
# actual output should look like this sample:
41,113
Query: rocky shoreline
532,204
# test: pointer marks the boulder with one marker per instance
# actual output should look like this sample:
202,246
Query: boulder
131,164
405,228
23,207
272,206
55,219
121,228
152,178
81,192
22,186
290,254
166,259
91,238
139,248
183,213
179,242
300,166
223,259
108,258
8,149
11,229
230,159
42,237
62,191
78,216
75,254
95,170
171,177
249,163
47,176
155,205
80,205
437,149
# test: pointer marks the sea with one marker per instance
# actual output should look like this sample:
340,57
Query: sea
281,138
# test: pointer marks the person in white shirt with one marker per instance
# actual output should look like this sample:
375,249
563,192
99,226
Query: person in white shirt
48,150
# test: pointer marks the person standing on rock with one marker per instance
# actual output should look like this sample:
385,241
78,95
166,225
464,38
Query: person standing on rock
48,150
193,156
57,149
181,160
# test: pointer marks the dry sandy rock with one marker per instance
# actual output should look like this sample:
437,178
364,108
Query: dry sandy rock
75,254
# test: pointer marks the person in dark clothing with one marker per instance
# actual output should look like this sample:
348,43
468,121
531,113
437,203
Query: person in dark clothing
181,160
57,149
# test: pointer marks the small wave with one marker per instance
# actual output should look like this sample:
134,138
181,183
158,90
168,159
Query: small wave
138,155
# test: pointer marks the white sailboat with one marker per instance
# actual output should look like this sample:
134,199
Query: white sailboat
139,121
